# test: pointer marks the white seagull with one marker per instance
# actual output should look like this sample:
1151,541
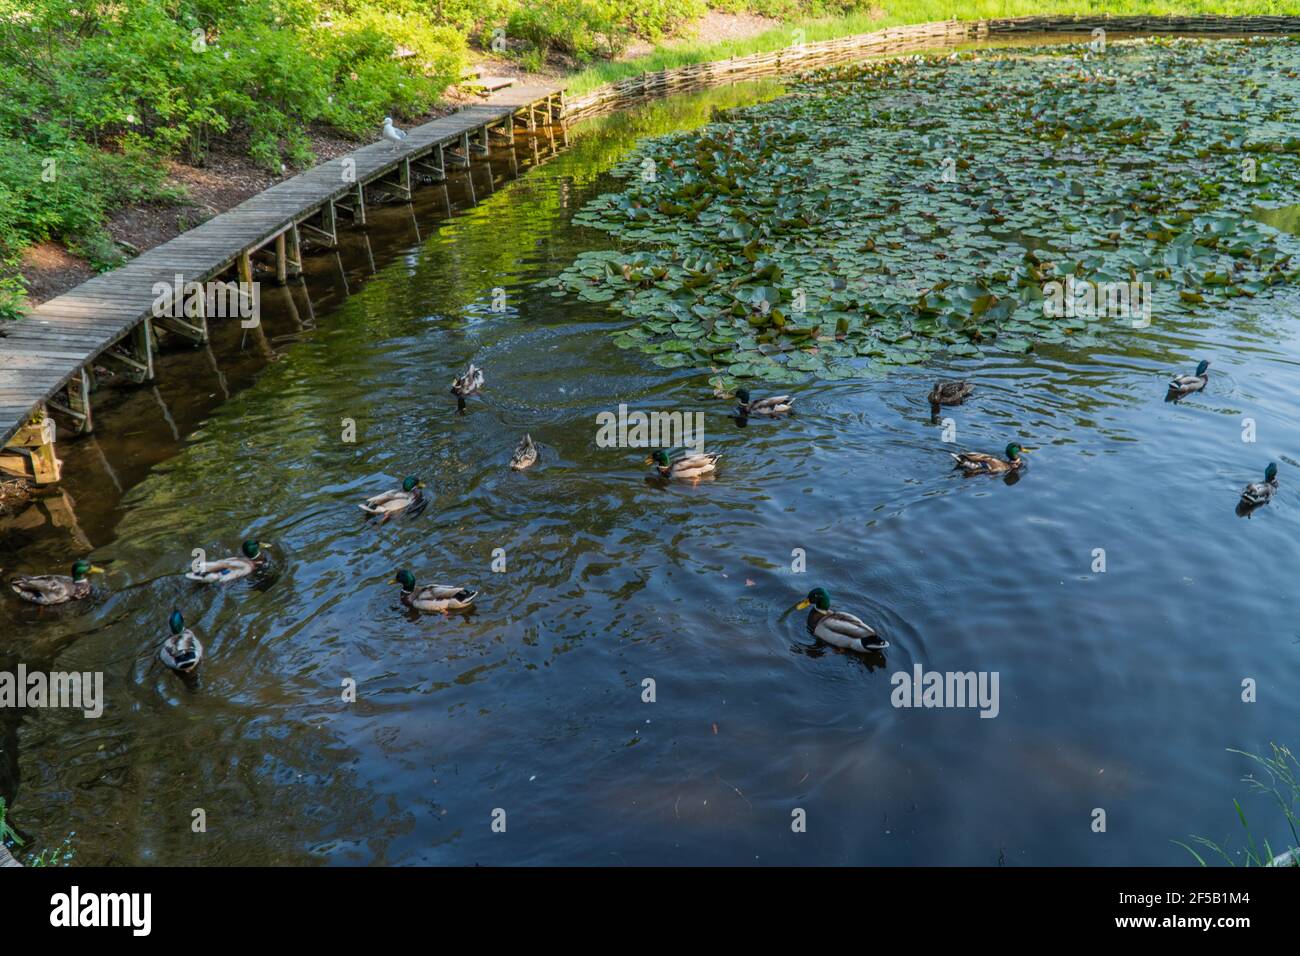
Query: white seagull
392,133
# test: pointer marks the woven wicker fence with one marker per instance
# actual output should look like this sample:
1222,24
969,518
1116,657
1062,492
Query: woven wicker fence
798,59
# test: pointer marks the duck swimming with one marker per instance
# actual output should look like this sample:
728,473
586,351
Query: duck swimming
839,628
1186,384
232,568
181,651
49,589
392,503
978,463
771,407
1259,492
433,598
525,455
687,468
466,385
950,393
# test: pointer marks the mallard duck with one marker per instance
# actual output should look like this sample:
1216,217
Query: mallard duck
1185,384
181,651
525,455
232,568
950,393
1259,492
838,628
687,468
766,407
467,385
55,588
433,597
392,503
977,463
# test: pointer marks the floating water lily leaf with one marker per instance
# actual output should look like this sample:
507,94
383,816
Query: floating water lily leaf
778,226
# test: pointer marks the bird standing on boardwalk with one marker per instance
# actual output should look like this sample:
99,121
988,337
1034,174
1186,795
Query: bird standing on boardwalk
978,463
466,385
392,133
56,588
1259,492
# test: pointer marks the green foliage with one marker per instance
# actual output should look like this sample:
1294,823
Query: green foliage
109,91
7,833
585,29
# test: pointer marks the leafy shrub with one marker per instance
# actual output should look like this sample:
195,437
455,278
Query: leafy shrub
588,28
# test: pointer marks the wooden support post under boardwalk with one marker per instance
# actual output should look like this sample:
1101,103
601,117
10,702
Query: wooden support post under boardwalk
77,407
358,209
426,165
195,324
281,263
135,351
482,144
30,453
328,229
294,242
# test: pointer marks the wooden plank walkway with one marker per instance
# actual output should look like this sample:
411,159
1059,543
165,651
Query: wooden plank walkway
45,351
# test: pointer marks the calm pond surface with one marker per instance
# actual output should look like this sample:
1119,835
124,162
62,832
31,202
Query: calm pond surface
1119,690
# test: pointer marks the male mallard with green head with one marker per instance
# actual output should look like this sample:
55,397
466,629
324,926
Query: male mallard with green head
978,463
1186,384
771,407
56,588
433,597
1259,492
950,393
525,455
687,468
181,651
392,503
232,568
466,385
838,628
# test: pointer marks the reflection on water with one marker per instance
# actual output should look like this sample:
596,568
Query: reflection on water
1118,690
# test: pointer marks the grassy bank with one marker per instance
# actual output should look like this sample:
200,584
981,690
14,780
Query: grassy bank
101,96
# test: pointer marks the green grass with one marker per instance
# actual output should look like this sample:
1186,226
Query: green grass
1279,779
892,13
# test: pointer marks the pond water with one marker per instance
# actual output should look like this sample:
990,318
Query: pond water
1118,690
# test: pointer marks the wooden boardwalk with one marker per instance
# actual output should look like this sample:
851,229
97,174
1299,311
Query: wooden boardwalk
47,358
